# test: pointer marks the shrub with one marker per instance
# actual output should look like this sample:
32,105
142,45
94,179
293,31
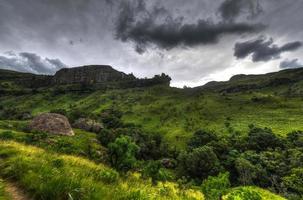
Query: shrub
153,170
214,187
294,181
201,138
106,136
295,138
122,153
6,135
261,139
199,163
244,194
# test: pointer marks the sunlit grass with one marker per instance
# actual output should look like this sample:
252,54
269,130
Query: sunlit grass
52,176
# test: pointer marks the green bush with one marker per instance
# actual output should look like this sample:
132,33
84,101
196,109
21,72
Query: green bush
261,139
154,170
122,153
201,138
6,135
214,187
199,163
243,194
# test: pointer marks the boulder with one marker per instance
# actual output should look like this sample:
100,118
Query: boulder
88,125
52,123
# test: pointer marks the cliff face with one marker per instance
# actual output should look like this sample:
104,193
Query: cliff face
90,75
93,77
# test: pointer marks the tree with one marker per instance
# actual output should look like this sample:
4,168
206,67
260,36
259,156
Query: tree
261,139
201,138
122,153
294,181
199,163
245,171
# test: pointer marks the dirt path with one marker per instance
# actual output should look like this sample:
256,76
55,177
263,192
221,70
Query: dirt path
15,192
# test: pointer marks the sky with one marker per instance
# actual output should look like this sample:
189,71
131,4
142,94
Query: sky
193,41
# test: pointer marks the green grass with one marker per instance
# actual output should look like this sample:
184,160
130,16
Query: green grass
47,175
3,194
238,194
177,113
83,144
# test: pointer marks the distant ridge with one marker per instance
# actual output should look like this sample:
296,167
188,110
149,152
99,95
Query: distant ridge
243,82
92,77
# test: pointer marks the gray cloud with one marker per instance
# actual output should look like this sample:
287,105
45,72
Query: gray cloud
288,64
47,28
30,62
143,27
262,49
231,9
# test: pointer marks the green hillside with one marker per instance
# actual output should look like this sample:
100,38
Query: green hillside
177,113
157,142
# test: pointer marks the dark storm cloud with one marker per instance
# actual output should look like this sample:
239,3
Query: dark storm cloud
262,49
231,9
143,27
30,62
288,64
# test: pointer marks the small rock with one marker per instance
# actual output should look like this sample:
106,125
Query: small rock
88,125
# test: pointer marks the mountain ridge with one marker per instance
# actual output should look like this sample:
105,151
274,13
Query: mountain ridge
97,74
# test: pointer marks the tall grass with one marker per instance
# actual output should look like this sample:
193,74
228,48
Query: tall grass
50,176
3,194
251,193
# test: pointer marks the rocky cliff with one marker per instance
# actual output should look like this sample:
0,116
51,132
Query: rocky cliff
90,75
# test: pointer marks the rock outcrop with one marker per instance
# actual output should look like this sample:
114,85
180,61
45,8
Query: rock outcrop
88,125
85,78
90,75
52,123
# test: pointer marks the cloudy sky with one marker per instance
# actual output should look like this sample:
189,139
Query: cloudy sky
194,41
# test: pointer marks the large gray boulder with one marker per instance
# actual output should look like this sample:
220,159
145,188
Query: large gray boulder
52,123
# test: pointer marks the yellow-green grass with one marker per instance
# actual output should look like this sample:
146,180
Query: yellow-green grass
82,144
239,194
3,194
47,175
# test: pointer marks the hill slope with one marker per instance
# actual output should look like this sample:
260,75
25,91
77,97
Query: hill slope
177,113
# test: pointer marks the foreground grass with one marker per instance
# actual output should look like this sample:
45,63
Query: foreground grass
3,194
83,144
251,193
51,176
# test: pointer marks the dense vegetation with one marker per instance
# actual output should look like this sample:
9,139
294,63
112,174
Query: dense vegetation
159,142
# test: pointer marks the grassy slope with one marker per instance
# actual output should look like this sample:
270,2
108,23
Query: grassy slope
41,172
52,176
83,144
178,113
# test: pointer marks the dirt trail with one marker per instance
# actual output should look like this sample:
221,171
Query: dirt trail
15,193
